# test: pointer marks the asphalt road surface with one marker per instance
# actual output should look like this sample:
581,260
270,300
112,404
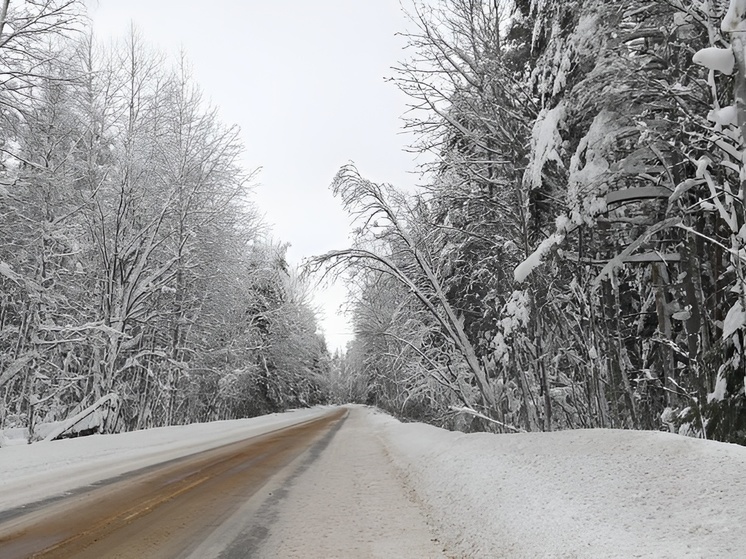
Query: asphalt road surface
321,488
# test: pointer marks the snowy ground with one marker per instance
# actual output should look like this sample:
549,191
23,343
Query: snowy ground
581,494
586,494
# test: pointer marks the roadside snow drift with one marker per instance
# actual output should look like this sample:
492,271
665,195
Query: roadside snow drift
586,493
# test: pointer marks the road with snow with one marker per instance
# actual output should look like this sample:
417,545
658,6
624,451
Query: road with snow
355,483
319,488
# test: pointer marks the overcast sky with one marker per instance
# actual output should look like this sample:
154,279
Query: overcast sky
305,81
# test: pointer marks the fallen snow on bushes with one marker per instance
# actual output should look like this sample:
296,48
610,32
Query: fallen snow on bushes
585,494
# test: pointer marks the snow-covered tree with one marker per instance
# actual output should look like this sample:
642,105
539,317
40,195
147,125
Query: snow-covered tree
137,287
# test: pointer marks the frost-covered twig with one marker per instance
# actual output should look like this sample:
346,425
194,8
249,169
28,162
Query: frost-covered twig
482,416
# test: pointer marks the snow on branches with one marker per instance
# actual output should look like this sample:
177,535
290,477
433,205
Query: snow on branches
716,58
731,144
545,143
735,18
587,184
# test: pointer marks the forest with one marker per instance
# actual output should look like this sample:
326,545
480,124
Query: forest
138,284
576,256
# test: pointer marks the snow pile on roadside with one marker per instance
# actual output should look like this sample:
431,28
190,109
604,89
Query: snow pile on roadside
29,473
587,493
13,436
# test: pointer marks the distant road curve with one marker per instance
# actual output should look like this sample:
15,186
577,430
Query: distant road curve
192,506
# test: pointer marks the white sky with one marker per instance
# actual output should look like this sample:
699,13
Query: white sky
305,81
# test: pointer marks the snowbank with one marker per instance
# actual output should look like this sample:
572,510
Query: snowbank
586,493
29,473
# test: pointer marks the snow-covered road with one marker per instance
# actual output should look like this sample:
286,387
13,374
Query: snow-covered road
371,486
164,510
349,502
320,488
29,473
